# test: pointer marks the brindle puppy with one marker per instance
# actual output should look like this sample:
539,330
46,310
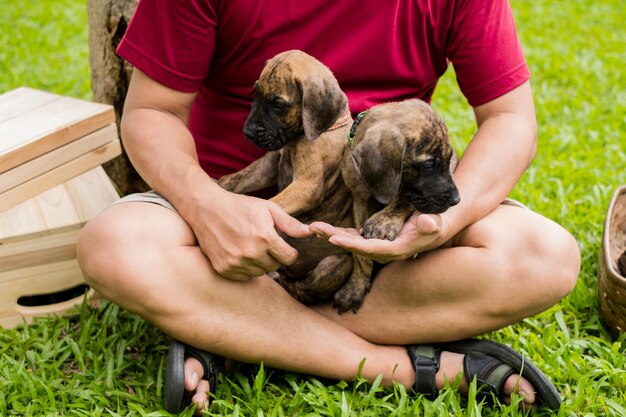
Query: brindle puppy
301,116
401,161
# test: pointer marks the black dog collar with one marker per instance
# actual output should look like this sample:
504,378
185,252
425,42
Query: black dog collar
354,127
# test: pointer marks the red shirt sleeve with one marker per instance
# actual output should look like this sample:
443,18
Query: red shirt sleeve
172,41
485,50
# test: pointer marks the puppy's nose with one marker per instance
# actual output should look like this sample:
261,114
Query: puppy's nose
453,197
248,131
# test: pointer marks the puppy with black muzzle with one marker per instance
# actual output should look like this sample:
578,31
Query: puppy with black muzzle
401,161
301,117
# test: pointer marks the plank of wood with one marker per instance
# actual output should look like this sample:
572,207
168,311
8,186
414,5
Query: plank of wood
50,210
58,175
55,247
21,100
46,162
30,134
68,205
35,280
100,191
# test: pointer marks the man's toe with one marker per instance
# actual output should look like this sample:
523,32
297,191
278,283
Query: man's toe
201,396
521,386
193,374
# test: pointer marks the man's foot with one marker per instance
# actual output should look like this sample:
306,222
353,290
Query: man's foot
452,366
195,386
189,376
496,368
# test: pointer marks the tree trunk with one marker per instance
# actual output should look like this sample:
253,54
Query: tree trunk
110,76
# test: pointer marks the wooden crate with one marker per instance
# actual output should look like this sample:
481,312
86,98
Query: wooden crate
38,246
46,139
51,184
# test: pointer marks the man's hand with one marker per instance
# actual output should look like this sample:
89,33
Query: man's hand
420,233
239,235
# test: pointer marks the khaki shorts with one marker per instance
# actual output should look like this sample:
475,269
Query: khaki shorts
156,198
147,197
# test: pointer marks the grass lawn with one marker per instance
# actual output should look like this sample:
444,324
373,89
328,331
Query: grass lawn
109,362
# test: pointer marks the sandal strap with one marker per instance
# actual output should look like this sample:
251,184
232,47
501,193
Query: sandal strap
490,374
213,365
426,360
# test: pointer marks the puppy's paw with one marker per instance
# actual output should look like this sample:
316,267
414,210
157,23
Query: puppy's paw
350,296
274,275
381,226
295,290
228,182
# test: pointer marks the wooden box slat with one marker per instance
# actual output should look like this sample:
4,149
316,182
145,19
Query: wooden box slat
58,175
16,102
29,129
54,247
57,157
70,204
36,280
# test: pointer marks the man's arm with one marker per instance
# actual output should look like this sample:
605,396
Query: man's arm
499,153
502,149
237,233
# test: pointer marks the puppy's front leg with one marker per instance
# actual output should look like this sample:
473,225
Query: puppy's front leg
387,223
300,196
350,296
260,174
320,283
305,168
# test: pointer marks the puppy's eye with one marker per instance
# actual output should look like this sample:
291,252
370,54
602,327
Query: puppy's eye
280,105
430,165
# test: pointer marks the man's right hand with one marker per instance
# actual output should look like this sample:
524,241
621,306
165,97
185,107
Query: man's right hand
239,234
236,232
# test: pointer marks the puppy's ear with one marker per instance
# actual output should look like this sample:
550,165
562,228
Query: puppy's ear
378,160
454,161
322,104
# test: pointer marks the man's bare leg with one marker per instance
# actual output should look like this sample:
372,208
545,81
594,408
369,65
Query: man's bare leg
512,264
144,257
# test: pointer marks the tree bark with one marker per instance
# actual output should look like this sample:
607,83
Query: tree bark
110,76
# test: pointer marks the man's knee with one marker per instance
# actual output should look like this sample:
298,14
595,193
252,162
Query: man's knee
125,251
545,267
561,256
102,249
535,262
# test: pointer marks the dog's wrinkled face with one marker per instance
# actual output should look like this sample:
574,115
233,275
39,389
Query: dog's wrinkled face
295,95
404,147
427,180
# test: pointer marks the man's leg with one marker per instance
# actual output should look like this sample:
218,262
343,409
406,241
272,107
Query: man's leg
144,257
516,263
510,265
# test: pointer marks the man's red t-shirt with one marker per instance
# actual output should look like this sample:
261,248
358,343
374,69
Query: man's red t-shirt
379,50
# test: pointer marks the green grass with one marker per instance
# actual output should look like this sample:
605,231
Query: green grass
109,362
44,45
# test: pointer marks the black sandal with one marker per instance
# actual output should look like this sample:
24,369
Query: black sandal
489,362
174,396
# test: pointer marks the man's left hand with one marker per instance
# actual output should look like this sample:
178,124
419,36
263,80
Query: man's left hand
421,232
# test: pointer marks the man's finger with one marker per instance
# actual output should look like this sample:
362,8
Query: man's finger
428,224
270,262
326,230
362,246
283,253
287,224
